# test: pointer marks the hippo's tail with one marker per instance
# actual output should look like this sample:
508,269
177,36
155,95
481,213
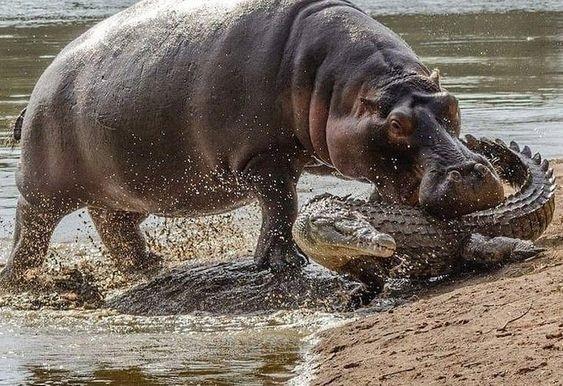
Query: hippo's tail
18,126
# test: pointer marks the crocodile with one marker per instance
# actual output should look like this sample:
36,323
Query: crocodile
373,241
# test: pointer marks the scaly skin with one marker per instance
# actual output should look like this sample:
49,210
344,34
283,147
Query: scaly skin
427,246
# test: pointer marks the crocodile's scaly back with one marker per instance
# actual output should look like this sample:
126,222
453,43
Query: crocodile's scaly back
422,240
526,213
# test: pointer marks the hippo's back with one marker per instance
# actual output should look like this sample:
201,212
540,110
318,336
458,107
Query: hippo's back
164,89
160,61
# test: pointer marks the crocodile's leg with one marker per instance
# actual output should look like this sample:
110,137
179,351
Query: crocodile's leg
370,271
486,250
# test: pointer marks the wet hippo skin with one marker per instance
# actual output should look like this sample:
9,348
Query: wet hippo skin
186,108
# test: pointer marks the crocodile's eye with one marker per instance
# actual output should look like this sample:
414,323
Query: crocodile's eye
321,220
347,226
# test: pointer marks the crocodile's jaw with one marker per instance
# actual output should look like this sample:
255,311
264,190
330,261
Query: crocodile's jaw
334,239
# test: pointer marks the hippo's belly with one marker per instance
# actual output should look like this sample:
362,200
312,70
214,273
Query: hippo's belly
167,195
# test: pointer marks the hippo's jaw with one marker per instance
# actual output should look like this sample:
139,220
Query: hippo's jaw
342,235
446,179
457,181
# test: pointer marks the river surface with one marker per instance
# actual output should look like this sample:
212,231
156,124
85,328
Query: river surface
502,59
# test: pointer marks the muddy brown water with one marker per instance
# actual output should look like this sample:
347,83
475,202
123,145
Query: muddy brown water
502,59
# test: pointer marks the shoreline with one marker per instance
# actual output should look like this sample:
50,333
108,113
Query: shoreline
504,326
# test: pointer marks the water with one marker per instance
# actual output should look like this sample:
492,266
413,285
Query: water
504,61
83,346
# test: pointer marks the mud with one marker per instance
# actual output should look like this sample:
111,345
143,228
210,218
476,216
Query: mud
200,273
82,275
69,288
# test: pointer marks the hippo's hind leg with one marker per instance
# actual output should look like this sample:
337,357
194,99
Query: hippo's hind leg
122,236
33,230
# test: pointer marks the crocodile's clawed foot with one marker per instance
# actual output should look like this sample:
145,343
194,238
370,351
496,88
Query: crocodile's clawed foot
524,250
75,286
484,250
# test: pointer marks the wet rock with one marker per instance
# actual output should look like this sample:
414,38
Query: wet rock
238,287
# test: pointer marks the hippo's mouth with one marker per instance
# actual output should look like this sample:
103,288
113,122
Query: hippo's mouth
452,188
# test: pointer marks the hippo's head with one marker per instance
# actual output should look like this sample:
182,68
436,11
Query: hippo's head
405,139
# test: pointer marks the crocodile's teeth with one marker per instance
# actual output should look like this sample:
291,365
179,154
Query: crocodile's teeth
537,158
527,152
544,165
514,146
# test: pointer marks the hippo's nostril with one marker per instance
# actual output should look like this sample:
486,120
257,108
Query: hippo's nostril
481,169
455,176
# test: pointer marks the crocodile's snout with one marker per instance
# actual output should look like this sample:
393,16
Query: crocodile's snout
335,237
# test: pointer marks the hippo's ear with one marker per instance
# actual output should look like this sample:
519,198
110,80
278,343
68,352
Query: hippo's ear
369,105
435,77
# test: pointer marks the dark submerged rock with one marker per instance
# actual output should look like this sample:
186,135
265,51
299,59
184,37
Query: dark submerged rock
239,287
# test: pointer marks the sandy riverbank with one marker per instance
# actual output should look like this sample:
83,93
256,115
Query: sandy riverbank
504,327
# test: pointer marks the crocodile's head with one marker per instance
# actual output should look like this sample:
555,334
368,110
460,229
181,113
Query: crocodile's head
334,236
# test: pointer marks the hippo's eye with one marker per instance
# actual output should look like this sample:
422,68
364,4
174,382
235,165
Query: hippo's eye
400,124
396,125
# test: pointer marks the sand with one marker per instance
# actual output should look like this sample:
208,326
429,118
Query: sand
504,327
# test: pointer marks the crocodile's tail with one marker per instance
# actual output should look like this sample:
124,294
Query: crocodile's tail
17,133
526,213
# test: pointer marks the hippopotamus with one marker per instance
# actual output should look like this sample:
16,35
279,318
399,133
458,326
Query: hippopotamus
192,108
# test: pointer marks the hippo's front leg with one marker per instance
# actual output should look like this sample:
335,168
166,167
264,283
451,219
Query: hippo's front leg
274,184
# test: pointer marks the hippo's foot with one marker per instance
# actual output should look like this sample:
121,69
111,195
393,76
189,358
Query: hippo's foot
280,257
142,267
